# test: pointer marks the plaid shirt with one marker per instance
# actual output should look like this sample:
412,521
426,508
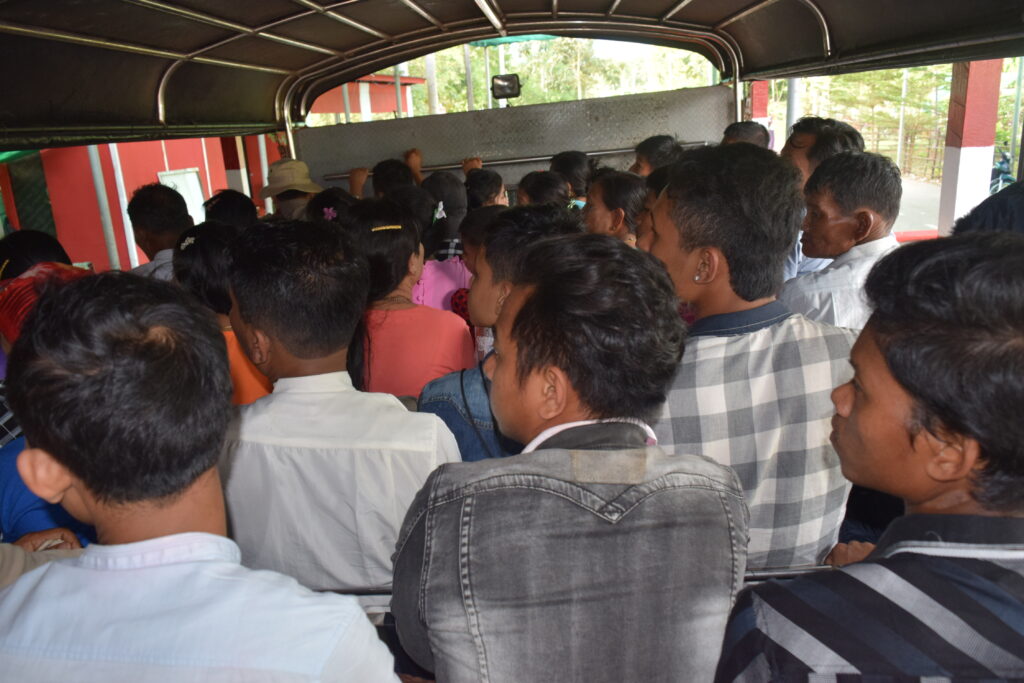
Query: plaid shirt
9,427
449,249
752,392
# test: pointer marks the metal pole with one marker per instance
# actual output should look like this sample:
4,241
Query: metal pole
398,92
122,199
487,77
469,78
345,101
101,198
737,88
430,62
903,105
501,70
794,88
1016,111
261,144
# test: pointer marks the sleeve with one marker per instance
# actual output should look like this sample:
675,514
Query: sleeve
360,656
745,650
447,447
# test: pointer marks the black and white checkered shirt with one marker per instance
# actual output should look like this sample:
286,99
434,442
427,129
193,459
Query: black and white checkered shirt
9,427
753,392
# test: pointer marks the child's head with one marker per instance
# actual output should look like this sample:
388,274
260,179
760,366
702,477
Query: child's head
615,205
201,259
654,153
542,187
231,207
121,385
576,168
484,187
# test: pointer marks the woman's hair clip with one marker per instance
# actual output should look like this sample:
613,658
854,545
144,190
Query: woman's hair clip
186,243
329,213
386,227
439,212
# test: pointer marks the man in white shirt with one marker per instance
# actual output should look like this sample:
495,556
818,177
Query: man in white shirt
121,385
318,476
853,200
159,215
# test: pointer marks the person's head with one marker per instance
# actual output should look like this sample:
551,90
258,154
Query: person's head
159,215
615,205
388,237
390,174
18,296
655,152
450,193
422,207
726,222
23,249
575,167
852,198
201,261
654,184
932,414
814,139
121,385
567,338
542,187
231,207
997,213
288,182
329,205
505,243
746,131
298,291
485,187
472,232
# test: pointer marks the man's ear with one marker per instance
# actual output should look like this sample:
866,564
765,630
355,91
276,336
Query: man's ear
868,224
504,289
43,475
618,222
950,456
712,265
556,390
258,347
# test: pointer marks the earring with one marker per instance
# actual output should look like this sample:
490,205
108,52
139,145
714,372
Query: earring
696,278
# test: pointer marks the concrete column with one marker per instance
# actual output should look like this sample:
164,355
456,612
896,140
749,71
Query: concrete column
970,139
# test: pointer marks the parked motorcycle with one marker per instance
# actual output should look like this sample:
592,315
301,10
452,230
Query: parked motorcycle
1001,173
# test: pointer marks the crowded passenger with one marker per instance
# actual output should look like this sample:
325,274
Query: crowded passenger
159,215
752,388
542,187
746,131
121,384
1003,211
932,415
231,207
450,194
23,249
576,169
291,188
615,205
444,271
654,153
853,199
655,184
594,555
484,187
317,475
330,205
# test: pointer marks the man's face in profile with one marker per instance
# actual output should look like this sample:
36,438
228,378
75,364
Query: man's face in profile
796,150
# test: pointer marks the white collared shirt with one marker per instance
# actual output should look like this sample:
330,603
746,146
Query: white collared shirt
318,477
835,294
180,608
160,268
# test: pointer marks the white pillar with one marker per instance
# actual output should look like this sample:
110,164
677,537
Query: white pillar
365,105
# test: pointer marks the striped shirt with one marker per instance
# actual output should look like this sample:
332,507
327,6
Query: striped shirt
752,392
940,598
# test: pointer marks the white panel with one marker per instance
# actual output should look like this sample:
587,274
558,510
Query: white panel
965,182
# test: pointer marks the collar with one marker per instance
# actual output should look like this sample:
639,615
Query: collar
155,552
313,384
741,322
924,532
867,250
649,438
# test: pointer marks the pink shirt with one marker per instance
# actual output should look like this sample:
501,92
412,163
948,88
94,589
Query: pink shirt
439,281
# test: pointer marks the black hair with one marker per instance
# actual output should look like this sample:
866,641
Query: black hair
593,302
23,249
747,131
159,209
329,205
659,150
545,187
949,320
387,236
744,200
124,381
830,137
1002,212
421,207
575,167
626,191
231,207
202,257
474,226
482,185
445,187
304,284
507,237
860,179
389,174
657,181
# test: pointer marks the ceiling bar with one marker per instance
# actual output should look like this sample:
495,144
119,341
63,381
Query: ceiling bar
492,14
614,6
826,33
744,13
343,19
675,10
424,13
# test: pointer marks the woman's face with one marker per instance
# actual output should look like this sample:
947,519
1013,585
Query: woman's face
599,219
642,167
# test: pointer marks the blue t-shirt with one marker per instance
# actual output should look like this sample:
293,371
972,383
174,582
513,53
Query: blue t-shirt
22,511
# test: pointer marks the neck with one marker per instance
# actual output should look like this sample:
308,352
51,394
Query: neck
200,508
719,303
958,501
307,367
224,321
395,297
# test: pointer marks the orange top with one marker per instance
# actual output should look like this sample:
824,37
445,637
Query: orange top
250,384
407,348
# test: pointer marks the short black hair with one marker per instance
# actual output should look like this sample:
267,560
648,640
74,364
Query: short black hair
329,205
745,200
657,181
482,186
389,174
860,179
545,187
747,131
575,167
626,191
387,235
302,283
659,150
124,381
508,236
231,207
949,320
593,302
23,249
474,226
158,209
831,137
202,257
1001,212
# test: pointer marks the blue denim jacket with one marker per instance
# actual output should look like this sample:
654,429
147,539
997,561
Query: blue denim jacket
564,564
462,400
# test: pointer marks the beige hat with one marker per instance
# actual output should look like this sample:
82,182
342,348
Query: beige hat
288,174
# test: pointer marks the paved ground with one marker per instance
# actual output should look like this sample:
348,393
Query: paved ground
919,209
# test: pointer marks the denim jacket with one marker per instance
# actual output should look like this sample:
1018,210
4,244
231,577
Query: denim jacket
462,400
611,562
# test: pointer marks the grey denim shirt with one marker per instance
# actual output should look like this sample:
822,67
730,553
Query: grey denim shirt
572,565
